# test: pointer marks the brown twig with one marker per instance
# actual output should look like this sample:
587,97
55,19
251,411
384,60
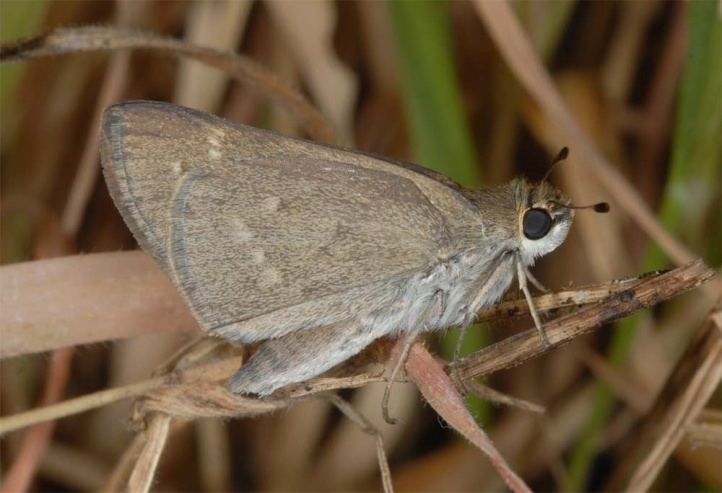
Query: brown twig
496,397
689,387
187,394
517,349
147,463
124,465
584,295
87,173
87,39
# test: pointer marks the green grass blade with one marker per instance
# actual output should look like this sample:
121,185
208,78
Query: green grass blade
440,134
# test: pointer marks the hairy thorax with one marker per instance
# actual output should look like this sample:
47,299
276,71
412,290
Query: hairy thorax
447,295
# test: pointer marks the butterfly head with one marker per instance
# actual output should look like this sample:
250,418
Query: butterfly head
544,218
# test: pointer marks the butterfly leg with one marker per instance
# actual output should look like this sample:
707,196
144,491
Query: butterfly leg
521,277
367,427
408,341
435,308
488,292
298,356
535,281
454,373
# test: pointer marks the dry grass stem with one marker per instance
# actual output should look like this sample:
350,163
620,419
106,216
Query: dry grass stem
694,379
496,397
704,433
124,465
584,295
155,439
191,393
517,349
69,301
63,41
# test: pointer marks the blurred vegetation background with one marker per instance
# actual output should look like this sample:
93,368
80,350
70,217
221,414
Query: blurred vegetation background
413,80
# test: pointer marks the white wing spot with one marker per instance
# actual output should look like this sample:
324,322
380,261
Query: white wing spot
271,204
269,277
240,230
258,256
176,167
214,151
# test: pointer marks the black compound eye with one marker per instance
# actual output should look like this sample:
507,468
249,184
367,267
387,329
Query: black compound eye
536,223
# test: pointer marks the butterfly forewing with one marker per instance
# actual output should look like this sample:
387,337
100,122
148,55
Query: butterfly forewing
265,234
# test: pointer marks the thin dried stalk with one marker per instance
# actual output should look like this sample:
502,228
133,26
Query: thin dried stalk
517,349
583,296
706,433
147,463
87,39
496,397
695,378
193,393
71,407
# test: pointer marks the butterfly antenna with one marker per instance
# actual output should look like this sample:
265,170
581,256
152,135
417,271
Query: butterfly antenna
561,156
599,207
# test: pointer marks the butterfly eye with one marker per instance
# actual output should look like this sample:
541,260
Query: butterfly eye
536,223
